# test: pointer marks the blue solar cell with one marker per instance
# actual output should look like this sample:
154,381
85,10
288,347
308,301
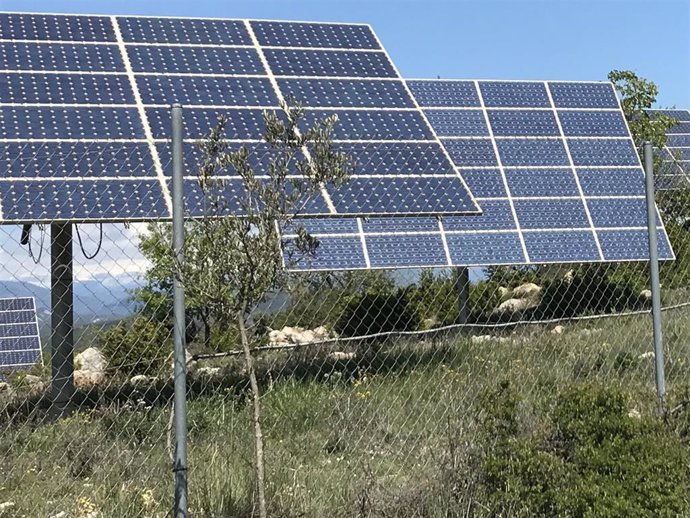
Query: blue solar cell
612,182
16,330
504,94
471,152
496,215
619,212
20,358
16,26
260,157
216,91
183,30
74,159
583,95
541,182
17,316
66,89
555,213
397,224
333,63
678,140
532,152
230,198
485,183
406,251
680,154
241,124
681,127
60,56
626,245
81,200
554,247
397,158
16,304
194,60
333,253
19,343
400,195
317,226
313,35
457,123
355,93
604,152
453,94
485,248
74,123
373,125
679,115
520,123
593,123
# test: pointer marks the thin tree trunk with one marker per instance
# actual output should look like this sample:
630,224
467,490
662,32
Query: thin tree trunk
207,331
258,436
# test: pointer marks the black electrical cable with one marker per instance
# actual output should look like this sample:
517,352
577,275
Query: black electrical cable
81,244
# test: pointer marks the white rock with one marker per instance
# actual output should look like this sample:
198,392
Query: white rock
278,337
516,305
61,514
322,333
482,339
503,291
527,290
140,379
85,379
35,384
305,337
430,323
208,371
6,506
342,356
634,414
90,359
291,332
4,386
558,330
569,276
644,356
646,295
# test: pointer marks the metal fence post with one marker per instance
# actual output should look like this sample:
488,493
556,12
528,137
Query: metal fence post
179,325
654,277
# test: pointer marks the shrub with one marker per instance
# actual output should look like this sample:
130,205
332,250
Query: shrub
376,312
139,346
585,457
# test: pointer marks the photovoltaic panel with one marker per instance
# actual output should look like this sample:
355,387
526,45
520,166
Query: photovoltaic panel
552,165
20,343
675,171
85,113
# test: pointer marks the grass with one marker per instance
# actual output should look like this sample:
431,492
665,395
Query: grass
370,437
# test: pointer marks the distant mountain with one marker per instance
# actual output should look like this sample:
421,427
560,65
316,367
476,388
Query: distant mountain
94,300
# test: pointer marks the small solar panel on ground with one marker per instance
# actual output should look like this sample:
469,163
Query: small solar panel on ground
86,111
675,170
20,343
552,165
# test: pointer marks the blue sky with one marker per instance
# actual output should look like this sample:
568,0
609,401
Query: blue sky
476,39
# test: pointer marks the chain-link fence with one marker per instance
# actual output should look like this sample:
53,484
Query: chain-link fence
383,392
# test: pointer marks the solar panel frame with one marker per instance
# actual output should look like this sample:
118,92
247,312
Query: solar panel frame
144,60
11,316
536,241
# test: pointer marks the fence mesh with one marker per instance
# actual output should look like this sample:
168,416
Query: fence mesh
377,387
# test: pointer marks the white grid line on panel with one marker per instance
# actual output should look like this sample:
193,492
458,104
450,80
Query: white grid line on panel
444,240
142,114
274,83
574,171
504,179
363,241
527,137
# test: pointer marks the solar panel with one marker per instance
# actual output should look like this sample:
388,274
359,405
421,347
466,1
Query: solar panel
675,171
86,101
20,343
552,165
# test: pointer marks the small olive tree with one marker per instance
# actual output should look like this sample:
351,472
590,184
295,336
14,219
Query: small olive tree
232,254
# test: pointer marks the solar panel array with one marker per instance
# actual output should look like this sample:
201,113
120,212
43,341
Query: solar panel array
675,173
20,343
85,110
552,165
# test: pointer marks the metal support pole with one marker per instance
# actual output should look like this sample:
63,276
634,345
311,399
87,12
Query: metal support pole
462,290
179,326
62,318
654,277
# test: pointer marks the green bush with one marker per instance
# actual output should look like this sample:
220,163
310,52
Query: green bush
584,457
373,312
139,346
